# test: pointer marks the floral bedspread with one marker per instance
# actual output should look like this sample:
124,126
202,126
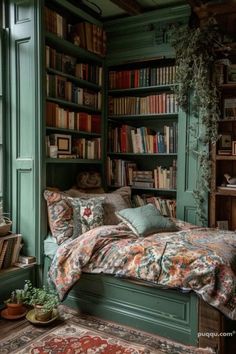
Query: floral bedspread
200,259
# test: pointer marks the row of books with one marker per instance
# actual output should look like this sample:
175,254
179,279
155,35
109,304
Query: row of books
142,140
10,246
59,87
87,148
59,117
63,146
70,65
152,104
124,173
84,34
166,206
144,77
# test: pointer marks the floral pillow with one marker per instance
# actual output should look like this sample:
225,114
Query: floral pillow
115,201
60,215
88,214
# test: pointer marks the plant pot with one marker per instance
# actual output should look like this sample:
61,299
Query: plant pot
5,228
15,309
41,314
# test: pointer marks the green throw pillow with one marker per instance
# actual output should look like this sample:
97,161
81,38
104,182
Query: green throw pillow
145,220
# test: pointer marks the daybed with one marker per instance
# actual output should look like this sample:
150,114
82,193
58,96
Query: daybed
152,299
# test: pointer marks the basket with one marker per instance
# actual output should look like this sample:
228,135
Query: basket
5,229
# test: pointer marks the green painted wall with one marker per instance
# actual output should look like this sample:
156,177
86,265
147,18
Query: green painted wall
24,121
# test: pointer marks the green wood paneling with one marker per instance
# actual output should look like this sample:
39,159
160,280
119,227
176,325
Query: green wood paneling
187,169
14,280
168,313
25,121
143,36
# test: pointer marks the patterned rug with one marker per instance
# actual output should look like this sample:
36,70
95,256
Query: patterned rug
90,335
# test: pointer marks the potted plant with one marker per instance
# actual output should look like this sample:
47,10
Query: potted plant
5,223
44,300
16,301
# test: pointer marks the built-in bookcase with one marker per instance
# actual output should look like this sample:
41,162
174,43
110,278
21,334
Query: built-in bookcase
75,45
223,183
142,131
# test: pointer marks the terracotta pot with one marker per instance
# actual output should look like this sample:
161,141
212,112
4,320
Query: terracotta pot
15,309
41,314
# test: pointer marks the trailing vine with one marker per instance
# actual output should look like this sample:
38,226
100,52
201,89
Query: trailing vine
195,77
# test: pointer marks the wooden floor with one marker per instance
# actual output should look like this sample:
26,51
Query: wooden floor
8,328
11,327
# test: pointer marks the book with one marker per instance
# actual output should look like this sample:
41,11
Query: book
3,252
8,254
27,259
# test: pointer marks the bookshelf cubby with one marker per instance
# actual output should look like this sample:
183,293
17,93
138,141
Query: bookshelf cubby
74,89
223,153
142,130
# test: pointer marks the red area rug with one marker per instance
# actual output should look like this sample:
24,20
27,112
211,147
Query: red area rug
89,335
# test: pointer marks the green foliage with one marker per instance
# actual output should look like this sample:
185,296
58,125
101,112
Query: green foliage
44,296
195,77
18,296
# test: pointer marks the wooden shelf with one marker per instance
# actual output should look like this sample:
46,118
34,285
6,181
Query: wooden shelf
227,120
75,10
75,132
78,161
154,189
228,86
145,116
133,154
226,157
80,82
148,189
63,45
226,192
136,90
73,105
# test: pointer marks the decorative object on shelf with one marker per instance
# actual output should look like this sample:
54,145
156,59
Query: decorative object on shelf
5,226
195,54
5,223
234,147
229,179
225,141
88,179
230,108
62,141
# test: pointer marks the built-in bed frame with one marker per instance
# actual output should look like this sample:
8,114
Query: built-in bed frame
169,313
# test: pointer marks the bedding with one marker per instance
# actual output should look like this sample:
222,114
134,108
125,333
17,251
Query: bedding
66,218
200,259
145,220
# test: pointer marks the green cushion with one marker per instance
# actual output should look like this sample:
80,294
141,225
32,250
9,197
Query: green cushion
145,220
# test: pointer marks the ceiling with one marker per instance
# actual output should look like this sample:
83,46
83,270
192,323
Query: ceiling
110,9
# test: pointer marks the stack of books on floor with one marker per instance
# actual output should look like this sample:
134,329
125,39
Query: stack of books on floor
10,246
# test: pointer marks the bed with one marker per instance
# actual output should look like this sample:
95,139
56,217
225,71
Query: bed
159,289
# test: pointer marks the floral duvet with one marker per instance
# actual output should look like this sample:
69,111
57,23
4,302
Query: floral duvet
199,259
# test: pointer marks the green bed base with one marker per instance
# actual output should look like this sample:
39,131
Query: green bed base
168,313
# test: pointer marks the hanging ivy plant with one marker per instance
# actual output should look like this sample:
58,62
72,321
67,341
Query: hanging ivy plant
195,57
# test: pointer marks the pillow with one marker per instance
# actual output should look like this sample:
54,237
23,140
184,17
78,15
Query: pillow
115,201
60,215
88,214
145,220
